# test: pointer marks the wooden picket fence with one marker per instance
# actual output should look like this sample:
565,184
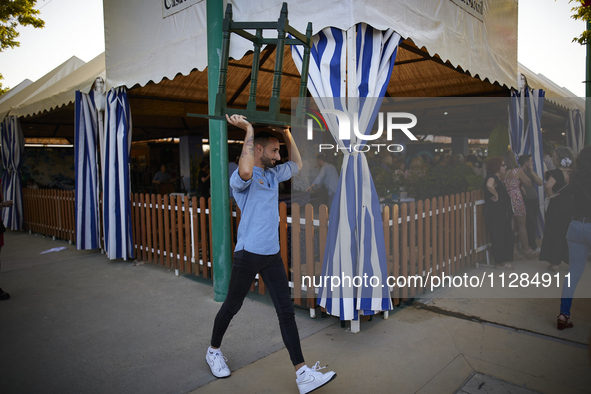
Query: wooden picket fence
424,238
50,212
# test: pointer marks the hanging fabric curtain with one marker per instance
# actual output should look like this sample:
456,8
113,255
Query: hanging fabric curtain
87,183
528,140
115,145
535,105
575,132
517,135
13,151
355,241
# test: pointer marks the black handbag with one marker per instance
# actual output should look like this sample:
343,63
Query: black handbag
2,228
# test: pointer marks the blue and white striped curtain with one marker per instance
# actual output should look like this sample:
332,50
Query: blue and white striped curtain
355,241
575,130
535,105
115,145
517,137
528,140
87,183
13,151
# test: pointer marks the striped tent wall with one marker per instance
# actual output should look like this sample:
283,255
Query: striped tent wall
13,151
535,105
115,149
517,136
355,240
87,185
575,130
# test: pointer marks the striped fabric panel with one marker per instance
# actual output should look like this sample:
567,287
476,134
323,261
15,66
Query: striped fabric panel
535,105
13,151
355,241
575,133
115,150
86,159
327,74
517,136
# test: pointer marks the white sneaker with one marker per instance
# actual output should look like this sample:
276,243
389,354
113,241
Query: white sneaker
311,379
217,364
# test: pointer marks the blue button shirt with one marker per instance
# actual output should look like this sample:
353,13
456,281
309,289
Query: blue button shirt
258,200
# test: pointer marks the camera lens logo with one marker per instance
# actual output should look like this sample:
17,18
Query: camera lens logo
317,116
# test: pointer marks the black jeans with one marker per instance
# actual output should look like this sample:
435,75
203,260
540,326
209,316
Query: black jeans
270,269
532,207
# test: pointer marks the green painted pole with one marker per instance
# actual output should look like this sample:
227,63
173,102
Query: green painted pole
588,93
218,158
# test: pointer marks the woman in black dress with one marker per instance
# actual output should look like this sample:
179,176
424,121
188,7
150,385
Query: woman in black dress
560,210
498,213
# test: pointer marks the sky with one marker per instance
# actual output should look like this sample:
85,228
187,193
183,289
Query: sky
75,28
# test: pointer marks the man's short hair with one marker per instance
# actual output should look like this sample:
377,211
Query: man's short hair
262,138
523,159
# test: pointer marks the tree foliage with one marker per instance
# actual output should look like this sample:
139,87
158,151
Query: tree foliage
15,13
582,12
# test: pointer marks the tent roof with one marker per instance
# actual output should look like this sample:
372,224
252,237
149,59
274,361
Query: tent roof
145,44
555,94
63,91
15,90
14,100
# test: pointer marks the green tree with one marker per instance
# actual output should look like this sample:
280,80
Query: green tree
498,141
582,11
15,13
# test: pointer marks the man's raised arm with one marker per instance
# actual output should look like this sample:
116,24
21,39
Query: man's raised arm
246,162
292,149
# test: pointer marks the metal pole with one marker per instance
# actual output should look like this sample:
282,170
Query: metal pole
218,158
588,94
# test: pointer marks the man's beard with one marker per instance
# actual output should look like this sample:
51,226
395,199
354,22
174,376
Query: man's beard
267,161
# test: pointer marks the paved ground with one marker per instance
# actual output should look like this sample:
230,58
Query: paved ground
79,323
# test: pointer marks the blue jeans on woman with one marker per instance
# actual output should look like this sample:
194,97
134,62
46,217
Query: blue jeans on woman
579,244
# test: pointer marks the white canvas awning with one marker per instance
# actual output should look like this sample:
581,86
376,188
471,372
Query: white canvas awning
145,42
33,89
15,90
555,94
63,91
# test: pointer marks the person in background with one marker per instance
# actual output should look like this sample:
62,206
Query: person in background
417,168
31,184
327,176
204,186
578,234
560,210
400,172
514,178
161,176
548,160
476,166
530,199
498,213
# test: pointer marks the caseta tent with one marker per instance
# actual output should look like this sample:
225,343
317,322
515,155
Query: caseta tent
68,83
362,36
